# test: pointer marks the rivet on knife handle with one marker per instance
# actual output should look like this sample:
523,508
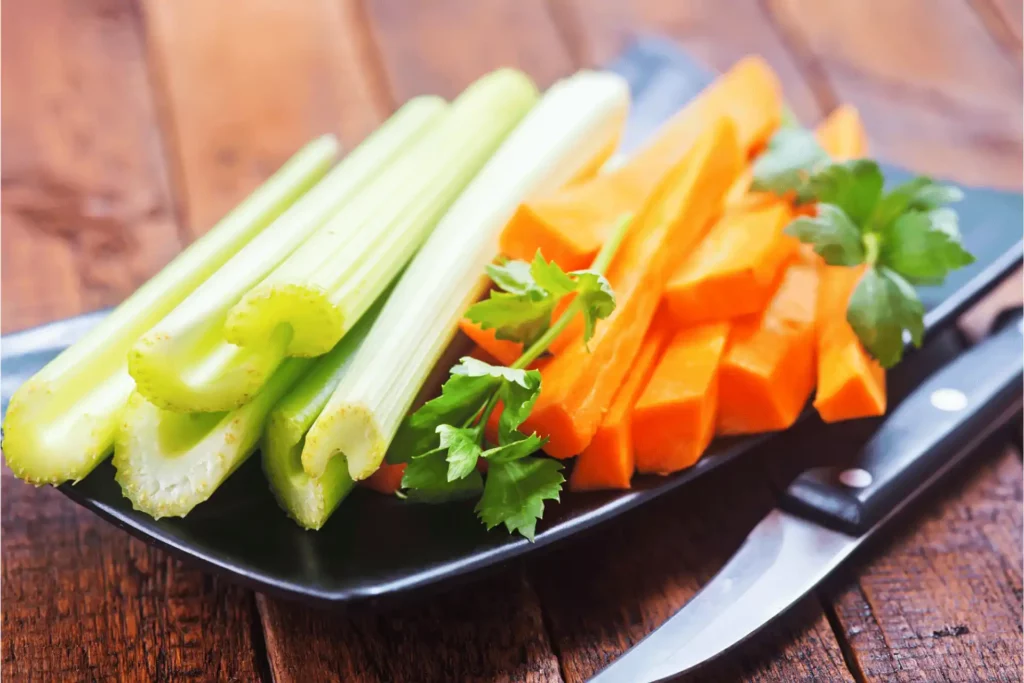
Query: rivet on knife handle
949,409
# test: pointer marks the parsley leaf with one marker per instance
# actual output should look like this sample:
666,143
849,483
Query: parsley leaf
923,246
426,479
921,193
595,298
905,235
460,399
853,186
463,446
511,276
523,311
517,398
515,491
793,155
550,278
514,450
832,234
882,306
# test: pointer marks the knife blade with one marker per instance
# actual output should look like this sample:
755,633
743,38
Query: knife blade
828,512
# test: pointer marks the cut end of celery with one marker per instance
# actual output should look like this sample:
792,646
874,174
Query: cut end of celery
215,379
316,323
167,463
349,430
307,500
48,439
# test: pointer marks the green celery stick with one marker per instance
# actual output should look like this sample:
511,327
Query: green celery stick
184,363
168,462
61,423
327,284
308,500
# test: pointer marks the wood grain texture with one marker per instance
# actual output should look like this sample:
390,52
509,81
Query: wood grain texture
942,601
716,32
245,83
1002,18
487,631
603,593
936,92
83,601
439,47
86,209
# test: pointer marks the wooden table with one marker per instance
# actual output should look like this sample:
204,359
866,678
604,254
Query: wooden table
129,128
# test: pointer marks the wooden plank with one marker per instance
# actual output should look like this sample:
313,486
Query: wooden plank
489,631
603,593
935,90
86,219
86,210
441,46
716,32
82,600
942,601
245,83
1002,18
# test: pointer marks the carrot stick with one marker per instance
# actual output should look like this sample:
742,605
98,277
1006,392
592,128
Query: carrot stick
504,351
768,370
842,134
387,479
674,418
851,384
735,268
578,384
570,225
607,463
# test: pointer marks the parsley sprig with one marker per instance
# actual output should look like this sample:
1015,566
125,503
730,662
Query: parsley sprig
905,235
443,442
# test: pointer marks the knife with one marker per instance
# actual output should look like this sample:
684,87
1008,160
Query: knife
828,512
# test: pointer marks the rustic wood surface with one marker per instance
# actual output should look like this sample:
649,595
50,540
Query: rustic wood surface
130,126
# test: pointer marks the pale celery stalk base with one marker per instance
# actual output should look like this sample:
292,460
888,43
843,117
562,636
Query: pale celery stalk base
61,423
184,363
564,133
329,281
169,462
308,500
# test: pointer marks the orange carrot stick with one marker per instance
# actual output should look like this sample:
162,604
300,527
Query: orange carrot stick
674,418
851,384
733,271
768,370
579,384
570,225
504,351
387,479
842,134
607,463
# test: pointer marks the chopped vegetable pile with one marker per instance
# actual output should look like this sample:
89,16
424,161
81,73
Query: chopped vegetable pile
707,285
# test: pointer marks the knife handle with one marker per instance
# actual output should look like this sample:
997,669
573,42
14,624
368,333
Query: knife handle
938,424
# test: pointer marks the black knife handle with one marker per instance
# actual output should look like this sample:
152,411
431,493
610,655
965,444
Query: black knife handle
952,411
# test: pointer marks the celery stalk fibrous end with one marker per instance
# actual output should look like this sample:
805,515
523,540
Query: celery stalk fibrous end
355,426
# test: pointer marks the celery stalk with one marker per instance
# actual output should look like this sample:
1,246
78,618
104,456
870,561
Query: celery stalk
573,122
168,462
61,423
184,363
327,284
308,500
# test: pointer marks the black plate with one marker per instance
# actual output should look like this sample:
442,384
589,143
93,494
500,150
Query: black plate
377,545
